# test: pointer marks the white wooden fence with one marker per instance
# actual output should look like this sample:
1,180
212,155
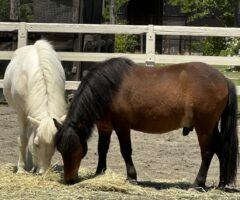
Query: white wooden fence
149,57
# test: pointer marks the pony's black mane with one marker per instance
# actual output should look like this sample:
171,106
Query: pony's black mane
95,92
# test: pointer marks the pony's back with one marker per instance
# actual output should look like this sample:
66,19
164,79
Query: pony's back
35,78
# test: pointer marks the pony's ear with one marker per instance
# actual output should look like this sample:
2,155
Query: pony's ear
33,121
57,124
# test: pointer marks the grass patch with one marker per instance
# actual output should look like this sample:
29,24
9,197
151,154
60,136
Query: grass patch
108,186
234,75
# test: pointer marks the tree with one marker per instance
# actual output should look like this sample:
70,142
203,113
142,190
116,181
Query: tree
116,9
112,14
222,10
26,10
15,10
4,11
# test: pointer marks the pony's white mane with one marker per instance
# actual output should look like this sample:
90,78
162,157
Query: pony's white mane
47,126
46,89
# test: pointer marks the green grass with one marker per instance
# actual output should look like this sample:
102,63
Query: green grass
230,74
233,75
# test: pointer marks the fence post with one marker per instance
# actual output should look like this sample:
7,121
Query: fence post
150,46
22,35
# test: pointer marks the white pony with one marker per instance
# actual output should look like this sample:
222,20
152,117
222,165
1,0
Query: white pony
34,85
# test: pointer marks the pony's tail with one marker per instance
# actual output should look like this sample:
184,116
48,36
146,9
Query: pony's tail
229,140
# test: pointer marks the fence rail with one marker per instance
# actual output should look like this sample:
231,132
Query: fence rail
150,58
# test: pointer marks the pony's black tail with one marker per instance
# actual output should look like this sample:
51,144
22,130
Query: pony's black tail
230,153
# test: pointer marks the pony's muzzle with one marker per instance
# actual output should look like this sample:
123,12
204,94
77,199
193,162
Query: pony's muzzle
71,178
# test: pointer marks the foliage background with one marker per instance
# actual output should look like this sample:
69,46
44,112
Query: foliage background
123,43
4,11
223,11
26,10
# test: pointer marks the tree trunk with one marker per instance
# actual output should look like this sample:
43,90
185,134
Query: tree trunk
112,12
77,18
237,14
15,10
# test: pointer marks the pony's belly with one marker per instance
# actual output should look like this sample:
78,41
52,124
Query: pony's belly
156,127
161,122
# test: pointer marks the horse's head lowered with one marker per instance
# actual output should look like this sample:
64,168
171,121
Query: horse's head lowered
41,143
72,155
90,103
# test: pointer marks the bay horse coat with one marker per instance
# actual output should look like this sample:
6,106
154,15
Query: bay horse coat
120,95
34,85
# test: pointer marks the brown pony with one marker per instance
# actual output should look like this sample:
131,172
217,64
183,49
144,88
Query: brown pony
118,95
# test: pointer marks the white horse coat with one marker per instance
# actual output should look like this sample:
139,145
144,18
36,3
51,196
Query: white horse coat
34,85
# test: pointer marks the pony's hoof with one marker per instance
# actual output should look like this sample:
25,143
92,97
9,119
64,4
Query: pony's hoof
228,189
21,171
197,186
132,181
100,173
199,189
33,170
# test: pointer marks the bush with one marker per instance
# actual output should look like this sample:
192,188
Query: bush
126,43
4,11
213,46
232,47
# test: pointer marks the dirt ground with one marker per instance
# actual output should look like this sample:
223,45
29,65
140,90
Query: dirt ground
168,156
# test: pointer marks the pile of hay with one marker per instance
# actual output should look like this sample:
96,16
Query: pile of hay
108,186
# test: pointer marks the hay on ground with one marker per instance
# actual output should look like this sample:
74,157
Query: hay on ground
108,186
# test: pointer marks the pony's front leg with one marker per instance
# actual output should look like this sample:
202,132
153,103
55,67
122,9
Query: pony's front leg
124,138
104,138
22,143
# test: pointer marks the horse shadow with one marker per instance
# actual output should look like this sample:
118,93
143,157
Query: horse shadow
164,185
184,186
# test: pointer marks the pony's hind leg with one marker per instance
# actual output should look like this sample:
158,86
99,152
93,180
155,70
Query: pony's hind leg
207,152
124,138
220,157
104,138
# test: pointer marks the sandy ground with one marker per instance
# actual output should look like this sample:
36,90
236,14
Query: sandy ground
168,156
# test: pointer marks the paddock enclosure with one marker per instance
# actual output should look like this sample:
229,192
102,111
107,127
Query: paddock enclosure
149,57
176,158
